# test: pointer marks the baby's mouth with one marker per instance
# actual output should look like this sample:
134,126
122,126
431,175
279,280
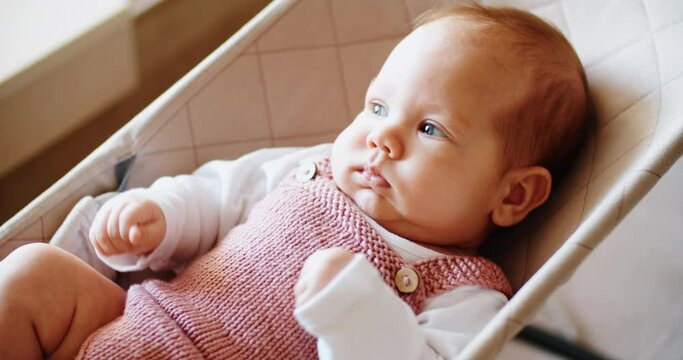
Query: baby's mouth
373,177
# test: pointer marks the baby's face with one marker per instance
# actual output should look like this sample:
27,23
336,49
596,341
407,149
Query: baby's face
423,157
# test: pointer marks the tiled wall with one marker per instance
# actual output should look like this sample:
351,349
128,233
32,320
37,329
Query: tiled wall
299,84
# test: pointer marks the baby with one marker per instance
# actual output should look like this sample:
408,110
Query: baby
370,243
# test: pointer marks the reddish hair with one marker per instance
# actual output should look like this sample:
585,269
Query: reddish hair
546,124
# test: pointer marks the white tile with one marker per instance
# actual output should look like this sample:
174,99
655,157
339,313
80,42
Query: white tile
662,13
417,7
230,151
672,101
622,79
361,63
523,4
231,107
305,92
553,14
148,168
308,24
606,180
252,49
307,140
634,191
626,131
669,44
665,133
600,28
174,134
357,20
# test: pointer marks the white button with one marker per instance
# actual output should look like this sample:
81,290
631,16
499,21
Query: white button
406,280
306,172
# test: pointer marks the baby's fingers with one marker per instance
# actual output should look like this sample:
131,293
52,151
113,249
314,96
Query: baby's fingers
98,230
116,237
138,221
143,239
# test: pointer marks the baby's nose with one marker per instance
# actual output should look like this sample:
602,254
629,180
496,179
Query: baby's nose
386,141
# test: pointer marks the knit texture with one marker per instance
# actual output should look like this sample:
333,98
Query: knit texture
237,302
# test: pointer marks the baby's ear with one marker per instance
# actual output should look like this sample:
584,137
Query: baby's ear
521,190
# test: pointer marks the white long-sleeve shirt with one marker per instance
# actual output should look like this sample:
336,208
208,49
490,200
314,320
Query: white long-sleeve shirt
356,315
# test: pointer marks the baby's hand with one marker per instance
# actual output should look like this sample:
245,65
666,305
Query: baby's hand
319,269
128,224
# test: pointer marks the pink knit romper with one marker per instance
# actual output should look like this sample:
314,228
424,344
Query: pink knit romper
237,302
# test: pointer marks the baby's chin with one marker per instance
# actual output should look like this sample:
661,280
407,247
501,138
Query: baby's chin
375,206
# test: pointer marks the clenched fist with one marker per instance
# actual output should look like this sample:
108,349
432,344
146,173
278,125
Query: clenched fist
128,224
318,270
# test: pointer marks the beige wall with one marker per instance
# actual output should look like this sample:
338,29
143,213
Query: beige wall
171,38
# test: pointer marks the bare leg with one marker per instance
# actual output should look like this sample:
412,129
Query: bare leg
50,301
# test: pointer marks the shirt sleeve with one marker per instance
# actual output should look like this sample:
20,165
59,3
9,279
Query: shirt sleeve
357,314
202,207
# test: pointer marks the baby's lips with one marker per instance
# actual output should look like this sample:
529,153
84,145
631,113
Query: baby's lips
374,177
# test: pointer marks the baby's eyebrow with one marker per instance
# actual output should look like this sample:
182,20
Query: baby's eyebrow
460,124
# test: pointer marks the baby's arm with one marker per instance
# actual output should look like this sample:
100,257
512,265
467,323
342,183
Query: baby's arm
164,226
197,209
357,315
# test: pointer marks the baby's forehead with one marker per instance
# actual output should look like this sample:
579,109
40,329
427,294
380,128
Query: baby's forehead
497,49
458,36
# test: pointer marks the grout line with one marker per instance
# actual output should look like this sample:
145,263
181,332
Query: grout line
659,76
642,98
628,107
591,179
239,142
666,27
240,55
209,80
257,47
372,40
335,30
626,46
165,151
156,132
409,20
566,21
340,63
551,212
338,44
614,52
264,93
186,106
540,5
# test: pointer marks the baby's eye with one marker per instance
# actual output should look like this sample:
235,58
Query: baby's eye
379,110
431,130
